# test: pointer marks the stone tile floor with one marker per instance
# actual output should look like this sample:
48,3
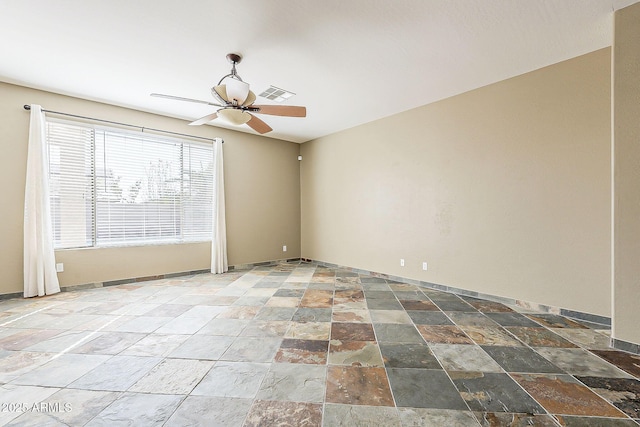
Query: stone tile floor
303,345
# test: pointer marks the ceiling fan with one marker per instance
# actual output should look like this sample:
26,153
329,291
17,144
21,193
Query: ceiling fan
236,102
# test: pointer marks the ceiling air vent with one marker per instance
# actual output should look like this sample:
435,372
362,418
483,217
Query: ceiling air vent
276,94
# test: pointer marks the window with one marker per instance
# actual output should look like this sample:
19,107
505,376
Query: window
110,187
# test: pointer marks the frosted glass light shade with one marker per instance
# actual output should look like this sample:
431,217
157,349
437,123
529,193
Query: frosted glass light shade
220,91
233,116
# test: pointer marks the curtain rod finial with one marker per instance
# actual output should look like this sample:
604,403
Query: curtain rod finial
27,107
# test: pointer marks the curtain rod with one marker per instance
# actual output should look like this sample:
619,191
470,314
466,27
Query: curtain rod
28,107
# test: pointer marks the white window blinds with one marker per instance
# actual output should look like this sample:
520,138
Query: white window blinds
113,188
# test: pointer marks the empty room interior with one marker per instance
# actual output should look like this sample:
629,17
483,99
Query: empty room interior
360,213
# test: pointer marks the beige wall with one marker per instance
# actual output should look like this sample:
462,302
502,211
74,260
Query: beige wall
503,190
262,197
626,202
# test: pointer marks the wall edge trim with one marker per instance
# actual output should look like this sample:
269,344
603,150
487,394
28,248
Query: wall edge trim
626,346
588,317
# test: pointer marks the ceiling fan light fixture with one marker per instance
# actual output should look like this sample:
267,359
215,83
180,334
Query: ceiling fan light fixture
220,92
251,98
234,116
235,102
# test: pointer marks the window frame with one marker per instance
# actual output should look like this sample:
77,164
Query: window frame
204,234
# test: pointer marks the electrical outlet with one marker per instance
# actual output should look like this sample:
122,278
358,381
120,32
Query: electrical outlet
284,248
59,267
401,262
424,265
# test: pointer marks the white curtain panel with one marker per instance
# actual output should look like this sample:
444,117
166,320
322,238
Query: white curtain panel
40,276
219,262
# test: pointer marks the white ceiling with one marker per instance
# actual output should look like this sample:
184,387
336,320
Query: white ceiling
348,61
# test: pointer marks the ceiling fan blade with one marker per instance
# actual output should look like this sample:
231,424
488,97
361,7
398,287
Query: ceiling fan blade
281,110
237,91
179,98
258,125
204,119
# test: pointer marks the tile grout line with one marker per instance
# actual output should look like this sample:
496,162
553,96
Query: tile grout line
386,371
29,314
69,348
